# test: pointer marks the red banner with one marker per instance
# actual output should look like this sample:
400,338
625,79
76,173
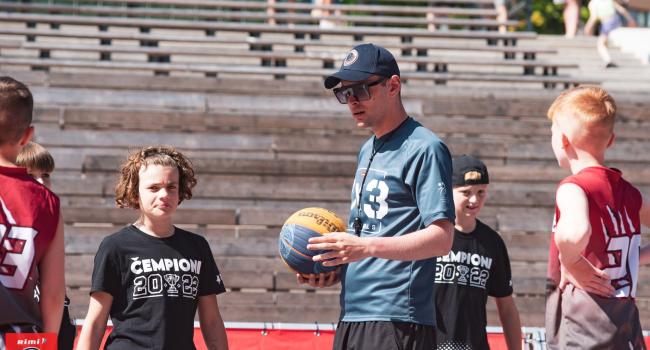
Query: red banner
30,341
262,339
282,339
275,339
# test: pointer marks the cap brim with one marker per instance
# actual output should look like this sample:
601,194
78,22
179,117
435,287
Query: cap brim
351,75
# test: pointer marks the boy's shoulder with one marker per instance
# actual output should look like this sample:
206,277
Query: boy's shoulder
592,178
16,176
129,238
17,186
130,232
119,237
487,232
194,237
421,135
419,140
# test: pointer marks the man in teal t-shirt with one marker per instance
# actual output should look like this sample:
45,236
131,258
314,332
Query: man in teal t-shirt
401,216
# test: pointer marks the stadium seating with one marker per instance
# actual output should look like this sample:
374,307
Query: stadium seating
262,154
224,32
267,139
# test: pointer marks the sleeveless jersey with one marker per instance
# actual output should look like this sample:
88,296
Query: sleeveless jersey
29,215
614,206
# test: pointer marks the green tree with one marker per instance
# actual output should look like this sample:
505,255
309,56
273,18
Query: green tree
546,17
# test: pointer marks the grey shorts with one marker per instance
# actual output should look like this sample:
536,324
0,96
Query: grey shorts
576,319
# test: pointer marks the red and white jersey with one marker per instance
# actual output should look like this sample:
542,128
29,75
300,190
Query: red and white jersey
614,206
29,215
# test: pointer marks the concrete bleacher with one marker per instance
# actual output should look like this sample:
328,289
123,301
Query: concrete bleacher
240,13
266,147
634,41
632,75
91,36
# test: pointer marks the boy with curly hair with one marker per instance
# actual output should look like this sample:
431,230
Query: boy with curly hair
152,276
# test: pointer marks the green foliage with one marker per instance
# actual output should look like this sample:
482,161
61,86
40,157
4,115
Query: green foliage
546,17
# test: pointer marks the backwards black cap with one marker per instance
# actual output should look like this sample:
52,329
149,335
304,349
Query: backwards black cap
469,171
363,61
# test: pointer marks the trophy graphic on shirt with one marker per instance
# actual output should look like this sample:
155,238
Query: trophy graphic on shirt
171,280
462,273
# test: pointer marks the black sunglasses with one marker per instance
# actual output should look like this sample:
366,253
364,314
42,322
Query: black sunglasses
360,91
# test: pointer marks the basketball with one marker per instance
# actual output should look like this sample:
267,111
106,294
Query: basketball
296,232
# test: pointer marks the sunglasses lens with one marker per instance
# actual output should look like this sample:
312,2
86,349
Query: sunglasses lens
342,96
361,92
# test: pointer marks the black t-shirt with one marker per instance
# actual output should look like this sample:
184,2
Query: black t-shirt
477,266
156,284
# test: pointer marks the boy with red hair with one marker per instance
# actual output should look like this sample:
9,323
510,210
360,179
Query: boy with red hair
595,245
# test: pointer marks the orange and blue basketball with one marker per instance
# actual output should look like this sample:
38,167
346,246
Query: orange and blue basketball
296,232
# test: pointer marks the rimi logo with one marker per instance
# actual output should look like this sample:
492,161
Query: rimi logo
31,341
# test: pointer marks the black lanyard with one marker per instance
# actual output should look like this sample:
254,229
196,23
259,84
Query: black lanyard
358,224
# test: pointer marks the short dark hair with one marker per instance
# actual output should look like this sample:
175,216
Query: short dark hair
16,107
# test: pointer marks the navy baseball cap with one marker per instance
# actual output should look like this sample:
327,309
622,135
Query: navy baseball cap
363,61
469,171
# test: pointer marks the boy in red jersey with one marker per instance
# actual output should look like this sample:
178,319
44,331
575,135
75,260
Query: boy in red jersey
31,228
595,245
40,164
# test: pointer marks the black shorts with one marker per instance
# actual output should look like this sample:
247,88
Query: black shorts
384,335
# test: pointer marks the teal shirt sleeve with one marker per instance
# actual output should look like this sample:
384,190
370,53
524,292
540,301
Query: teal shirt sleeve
429,178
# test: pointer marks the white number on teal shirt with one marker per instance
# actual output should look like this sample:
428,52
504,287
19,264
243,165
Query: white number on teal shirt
379,200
